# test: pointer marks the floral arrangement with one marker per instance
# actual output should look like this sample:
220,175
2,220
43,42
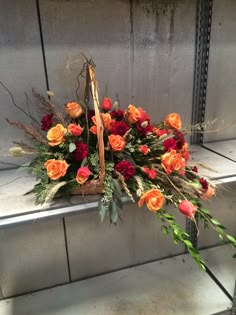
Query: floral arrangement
111,151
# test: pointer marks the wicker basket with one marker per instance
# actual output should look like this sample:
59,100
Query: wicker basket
94,186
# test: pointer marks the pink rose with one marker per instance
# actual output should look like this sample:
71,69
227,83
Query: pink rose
83,174
75,130
187,208
106,104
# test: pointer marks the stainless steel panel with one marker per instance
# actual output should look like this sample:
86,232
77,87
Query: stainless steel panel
222,71
225,148
24,210
222,265
171,286
95,247
21,67
211,164
32,257
223,208
144,51
100,29
164,34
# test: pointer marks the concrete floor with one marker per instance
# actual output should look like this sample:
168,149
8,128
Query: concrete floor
170,286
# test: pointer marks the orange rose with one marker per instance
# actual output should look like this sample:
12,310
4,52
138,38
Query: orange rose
75,130
173,121
93,129
116,142
106,118
56,134
209,193
83,174
172,161
153,199
132,114
56,168
185,147
74,109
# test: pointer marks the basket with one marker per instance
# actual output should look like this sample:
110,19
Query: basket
95,186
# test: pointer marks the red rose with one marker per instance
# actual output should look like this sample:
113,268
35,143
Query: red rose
119,128
179,137
144,149
125,168
169,144
160,132
187,208
46,122
204,183
186,155
152,174
91,113
118,114
106,104
80,152
195,169
143,130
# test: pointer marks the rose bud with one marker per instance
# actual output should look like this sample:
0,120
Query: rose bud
187,208
116,105
144,124
106,104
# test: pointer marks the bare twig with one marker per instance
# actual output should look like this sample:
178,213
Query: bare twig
17,106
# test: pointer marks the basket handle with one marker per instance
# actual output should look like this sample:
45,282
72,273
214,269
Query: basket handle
100,127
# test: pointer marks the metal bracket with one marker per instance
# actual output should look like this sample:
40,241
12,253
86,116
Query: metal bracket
202,47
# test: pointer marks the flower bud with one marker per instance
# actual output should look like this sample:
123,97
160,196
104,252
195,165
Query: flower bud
144,124
106,104
116,105
187,208
139,192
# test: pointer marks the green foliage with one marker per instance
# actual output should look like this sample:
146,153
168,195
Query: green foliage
208,221
111,202
178,235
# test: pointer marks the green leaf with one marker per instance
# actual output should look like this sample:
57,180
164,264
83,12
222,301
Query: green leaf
102,210
84,162
231,239
214,221
116,186
114,213
165,230
72,147
234,256
23,167
204,210
188,244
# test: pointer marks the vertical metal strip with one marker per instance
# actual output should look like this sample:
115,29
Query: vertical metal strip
131,51
202,47
234,300
42,45
67,251
1,295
